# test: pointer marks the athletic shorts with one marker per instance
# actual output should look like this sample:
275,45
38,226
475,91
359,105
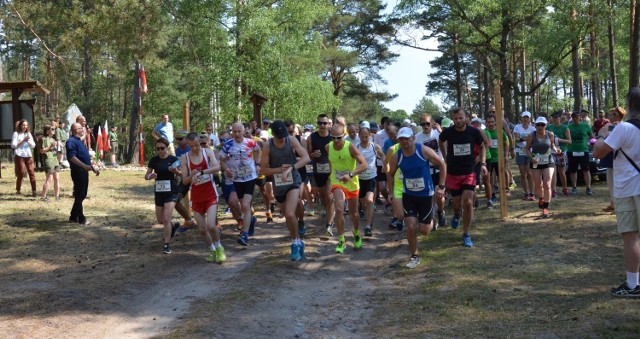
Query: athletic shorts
522,159
282,198
418,207
492,167
321,179
261,181
216,179
201,207
380,177
163,198
435,178
628,214
347,194
366,186
458,183
574,161
183,189
227,190
245,187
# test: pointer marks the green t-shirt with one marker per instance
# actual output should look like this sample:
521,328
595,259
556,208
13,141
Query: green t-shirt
493,148
579,137
50,158
559,131
113,137
489,157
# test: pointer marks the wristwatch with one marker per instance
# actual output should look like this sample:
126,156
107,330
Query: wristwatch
350,174
442,186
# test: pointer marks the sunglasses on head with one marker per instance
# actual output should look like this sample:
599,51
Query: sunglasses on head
425,124
160,148
322,123
336,137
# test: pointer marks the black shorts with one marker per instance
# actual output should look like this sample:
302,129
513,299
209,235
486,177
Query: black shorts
435,178
492,167
574,161
261,181
380,177
282,198
163,198
183,189
303,176
366,186
418,207
243,188
320,179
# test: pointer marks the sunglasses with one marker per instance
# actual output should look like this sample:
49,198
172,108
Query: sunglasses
540,125
336,137
203,144
425,124
160,148
322,123
179,139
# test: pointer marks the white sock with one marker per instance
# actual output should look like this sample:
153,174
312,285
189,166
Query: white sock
298,241
294,242
217,244
632,279
212,247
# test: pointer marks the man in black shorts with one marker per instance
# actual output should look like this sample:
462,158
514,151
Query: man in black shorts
316,146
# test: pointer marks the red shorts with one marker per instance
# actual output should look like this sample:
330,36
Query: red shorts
458,183
201,207
347,194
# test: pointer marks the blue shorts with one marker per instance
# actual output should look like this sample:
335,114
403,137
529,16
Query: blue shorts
227,190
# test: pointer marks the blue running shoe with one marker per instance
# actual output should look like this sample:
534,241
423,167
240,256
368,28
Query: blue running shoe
295,252
302,257
466,240
455,221
252,226
301,228
244,239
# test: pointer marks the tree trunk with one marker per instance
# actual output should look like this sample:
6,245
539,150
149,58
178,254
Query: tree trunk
612,57
133,149
523,79
634,69
456,66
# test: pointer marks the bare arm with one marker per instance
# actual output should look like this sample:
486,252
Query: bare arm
301,152
393,167
379,152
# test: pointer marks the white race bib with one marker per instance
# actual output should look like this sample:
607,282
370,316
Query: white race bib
415,184
163,185
244,172
494,143
461,150
543,159
578,154
323,168
280,179
339,174
202,179
368,173
309,168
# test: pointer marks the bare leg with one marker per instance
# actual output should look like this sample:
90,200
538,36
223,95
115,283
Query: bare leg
338,199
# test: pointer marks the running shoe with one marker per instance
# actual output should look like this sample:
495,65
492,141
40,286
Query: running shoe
227,211
187,225
413,262
507,192
166,249
541,203
220,255
361,213
545,212
311,212
476,203
532,197
442,219
252,226
574,190
340,247
623,291
175,227
525,197
367,231
392,225
244,239
302,257
494,200
301,228
212,256
466,240
513,186
295,252
399,225
387,208
565,191
330,230
589,191
269,217
455,221
357,242
272,207
490,205
554,194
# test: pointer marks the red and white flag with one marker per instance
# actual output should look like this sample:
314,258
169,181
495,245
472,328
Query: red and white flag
105,137
143,80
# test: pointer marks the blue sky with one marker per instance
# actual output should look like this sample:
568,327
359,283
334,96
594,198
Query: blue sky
408,75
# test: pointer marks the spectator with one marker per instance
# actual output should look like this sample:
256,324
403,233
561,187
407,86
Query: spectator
165,130
22,142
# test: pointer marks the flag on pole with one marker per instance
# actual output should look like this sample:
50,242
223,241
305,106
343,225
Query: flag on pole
105,137
99,154
143,81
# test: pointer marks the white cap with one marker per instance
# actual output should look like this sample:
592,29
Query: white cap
413,124
526,114
541,120
476,121
405,132
406,121
365,124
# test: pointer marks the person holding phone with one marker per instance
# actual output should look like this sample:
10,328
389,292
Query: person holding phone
22,142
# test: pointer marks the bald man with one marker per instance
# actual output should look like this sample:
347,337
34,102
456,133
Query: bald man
80,163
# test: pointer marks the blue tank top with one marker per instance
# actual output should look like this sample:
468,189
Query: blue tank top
416,173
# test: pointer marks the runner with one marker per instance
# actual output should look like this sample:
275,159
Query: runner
279,160
562,139
291,130
429,137
460,140
414,160
239,156
197,168
379,139
482,179
367,180
578,151
520,132
540,149
343,157
163,168
492,162
390,148
321,169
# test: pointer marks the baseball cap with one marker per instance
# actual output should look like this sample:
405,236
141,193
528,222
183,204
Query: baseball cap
526,114
373,125
413,124
181,133
308,127
476,121
365,124
575,113
405,132
279,130
406,121
266,120
541,120
446,122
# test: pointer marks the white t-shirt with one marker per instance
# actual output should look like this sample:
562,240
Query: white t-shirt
355,141
523,133
422,138
215,141
380,138
626,137
239,158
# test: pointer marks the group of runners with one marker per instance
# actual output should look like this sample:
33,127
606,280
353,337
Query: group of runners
348,167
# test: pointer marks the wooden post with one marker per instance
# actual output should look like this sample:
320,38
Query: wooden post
504,213
186,125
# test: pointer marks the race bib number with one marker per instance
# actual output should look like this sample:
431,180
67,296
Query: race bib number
367,173
414,184
309,168
461,150
202,179
494,143
323,168
543,159
339,174
244,171
282,179
163,185
578,154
